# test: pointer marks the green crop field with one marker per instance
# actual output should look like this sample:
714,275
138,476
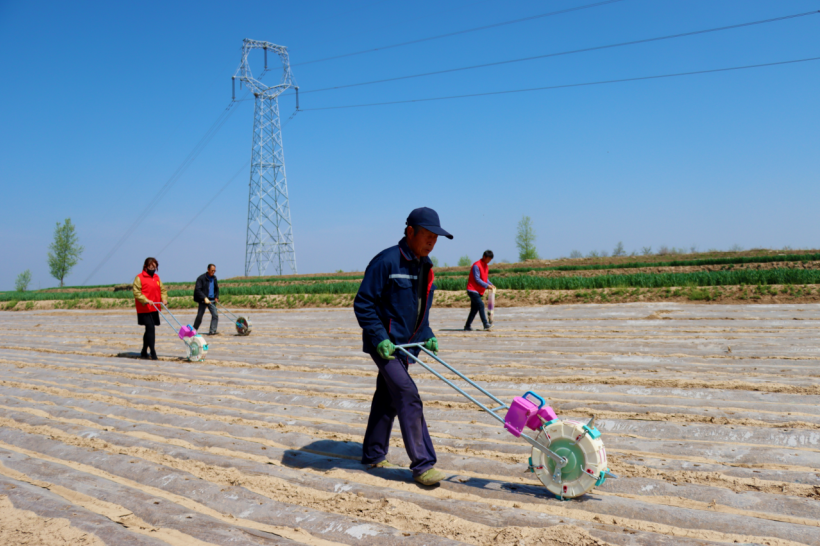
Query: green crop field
649,280
736,260
520,282
675,263
337,289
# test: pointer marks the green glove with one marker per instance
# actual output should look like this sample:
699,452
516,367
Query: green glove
431,345
386,349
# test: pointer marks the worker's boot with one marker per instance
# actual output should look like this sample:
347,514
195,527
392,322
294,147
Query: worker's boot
383,464
430,477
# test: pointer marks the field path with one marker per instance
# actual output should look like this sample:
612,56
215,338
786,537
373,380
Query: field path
710,416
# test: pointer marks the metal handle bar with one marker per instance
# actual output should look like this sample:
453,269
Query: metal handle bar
403,348
235,318
154,304
560,461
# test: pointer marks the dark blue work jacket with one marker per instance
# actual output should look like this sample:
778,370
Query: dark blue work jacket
386,305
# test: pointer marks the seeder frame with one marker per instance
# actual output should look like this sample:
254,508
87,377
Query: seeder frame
560,461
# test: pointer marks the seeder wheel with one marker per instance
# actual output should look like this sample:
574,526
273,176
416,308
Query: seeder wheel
243,326
196,348
586,459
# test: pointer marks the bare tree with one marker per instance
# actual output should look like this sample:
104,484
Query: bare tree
619,249
64,252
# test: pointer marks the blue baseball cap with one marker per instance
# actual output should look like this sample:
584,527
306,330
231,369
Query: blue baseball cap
428,219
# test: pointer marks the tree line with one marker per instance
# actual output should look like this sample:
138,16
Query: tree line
64,253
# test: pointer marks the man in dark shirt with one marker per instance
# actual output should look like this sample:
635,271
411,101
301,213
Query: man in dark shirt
206,293
393,307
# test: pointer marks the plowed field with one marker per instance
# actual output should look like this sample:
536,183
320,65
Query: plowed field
710,416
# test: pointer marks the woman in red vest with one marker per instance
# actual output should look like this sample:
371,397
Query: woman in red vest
148,289
477,283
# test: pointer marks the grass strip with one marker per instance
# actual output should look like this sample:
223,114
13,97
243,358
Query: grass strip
442,274
649,280
522,282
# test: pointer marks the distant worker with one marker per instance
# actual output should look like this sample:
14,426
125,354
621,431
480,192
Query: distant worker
148,289
477,284
206,293
393,307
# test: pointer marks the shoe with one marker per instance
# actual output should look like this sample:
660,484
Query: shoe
430,477
468,329
488,327
154,355
213,333
144,354
383,464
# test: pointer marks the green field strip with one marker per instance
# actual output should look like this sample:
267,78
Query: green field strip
521,282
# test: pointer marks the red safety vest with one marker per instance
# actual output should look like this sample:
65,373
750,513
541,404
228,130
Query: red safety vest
484,271
151,290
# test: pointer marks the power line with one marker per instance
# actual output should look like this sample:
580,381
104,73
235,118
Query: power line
569,52
218,193
476,29
404,21
189,159
181,123
564,86
208,204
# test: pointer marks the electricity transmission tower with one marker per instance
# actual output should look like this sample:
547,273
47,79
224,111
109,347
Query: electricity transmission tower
269,238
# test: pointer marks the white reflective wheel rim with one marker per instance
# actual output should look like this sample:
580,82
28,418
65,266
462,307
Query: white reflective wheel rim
196,348
587,459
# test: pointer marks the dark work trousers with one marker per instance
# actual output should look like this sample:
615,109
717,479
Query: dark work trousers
149,338
476,306
150,321
201,313
397,395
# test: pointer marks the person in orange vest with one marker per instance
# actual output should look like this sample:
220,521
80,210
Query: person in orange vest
148,289
477,284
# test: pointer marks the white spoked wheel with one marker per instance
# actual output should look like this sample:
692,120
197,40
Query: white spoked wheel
243,326
196,348
586,459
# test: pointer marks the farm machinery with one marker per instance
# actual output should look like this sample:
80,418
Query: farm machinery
243,324
195,346
568,456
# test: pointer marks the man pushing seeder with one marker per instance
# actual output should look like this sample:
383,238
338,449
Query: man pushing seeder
393,306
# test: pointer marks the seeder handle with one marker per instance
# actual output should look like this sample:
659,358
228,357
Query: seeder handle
154,304
560,461
226,311
541,405
403,348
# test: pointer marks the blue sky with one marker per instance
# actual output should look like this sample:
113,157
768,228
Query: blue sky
102,101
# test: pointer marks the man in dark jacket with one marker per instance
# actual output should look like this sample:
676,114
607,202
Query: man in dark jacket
392,307
206,293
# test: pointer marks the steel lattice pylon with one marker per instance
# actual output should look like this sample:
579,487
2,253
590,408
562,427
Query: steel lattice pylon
269,238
